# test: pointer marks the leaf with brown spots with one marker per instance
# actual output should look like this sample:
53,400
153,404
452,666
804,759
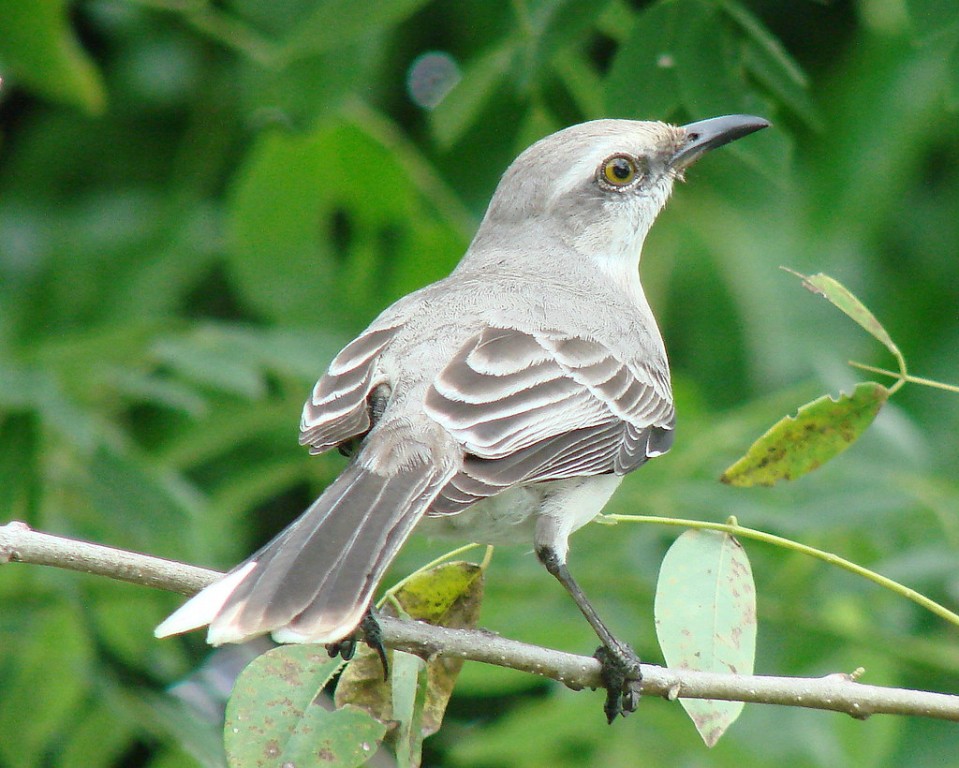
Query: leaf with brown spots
447,595
275,717
706,619
820,430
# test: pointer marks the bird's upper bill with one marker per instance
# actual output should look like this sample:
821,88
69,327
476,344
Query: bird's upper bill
709,134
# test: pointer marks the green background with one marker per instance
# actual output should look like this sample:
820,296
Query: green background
200,202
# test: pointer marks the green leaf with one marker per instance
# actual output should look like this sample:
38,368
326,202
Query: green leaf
448,595
555,26
688,56
952,75
582,82
710,80
131,504
772,48
43,674
163,715
23,388
309,88
537,123
335,22
37,388
765,68
706,618
122,618
462,106
769,153
796,445
642,80
931,18
272,717
233,359
307,197
766,58
39,49
98,738
409,679
199,358
841,298
142,387
20,475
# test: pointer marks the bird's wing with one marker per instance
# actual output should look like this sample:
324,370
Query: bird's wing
338,408
528,407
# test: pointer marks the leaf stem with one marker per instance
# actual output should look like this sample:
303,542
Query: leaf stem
902,377
905,377
751,533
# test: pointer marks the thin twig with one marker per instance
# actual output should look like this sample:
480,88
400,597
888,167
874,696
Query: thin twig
838,692
733,528
20,544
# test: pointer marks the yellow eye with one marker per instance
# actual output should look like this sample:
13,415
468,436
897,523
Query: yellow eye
619,171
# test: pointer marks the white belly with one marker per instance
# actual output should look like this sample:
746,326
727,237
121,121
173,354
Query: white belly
511,516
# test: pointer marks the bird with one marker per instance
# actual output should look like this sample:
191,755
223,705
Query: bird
504,403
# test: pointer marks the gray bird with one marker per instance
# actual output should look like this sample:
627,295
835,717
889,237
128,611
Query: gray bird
502,404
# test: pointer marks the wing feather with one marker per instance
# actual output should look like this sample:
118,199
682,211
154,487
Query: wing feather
338,408
529,407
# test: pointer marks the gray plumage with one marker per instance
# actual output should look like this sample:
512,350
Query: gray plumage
510,398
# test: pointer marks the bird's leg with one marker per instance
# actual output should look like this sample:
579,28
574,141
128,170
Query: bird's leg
372,636
621,673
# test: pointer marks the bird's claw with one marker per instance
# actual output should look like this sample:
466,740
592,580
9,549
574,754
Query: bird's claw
372,636
622,678
344,648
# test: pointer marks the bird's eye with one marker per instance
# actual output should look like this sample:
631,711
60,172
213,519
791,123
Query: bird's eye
618,171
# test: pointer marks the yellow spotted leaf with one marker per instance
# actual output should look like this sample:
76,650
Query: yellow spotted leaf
796,445
447,595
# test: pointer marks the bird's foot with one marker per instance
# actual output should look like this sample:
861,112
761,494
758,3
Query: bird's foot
372,636
344,648
621,677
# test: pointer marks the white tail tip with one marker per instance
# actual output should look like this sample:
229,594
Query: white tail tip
203,607
321,632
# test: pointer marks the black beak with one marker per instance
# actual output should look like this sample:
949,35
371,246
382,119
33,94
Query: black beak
709,134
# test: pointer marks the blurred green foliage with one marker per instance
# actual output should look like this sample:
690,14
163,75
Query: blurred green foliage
200,201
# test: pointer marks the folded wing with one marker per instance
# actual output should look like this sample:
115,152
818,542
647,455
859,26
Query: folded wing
338,408
530,407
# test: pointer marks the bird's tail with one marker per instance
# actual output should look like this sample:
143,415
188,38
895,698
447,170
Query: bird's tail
314,581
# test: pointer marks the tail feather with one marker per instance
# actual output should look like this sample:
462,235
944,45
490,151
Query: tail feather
314,581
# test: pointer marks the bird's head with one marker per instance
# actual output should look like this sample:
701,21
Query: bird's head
600,185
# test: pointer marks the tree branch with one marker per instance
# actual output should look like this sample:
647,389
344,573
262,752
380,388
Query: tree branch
20,544
838,692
